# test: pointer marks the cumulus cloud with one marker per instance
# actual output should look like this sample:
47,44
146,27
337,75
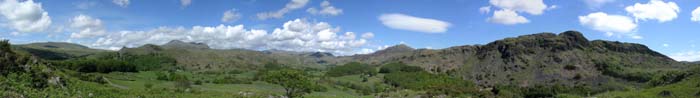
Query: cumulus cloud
534,7
597,3
294,35
292,5
26,16
695,15
411,23
686,56
507,17
230,16
655,9
121,3
326,9
610,24
185,3
509,9
86,27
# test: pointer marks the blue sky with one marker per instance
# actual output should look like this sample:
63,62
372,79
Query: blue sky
322,25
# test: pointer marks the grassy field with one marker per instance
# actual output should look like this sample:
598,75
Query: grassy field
688,88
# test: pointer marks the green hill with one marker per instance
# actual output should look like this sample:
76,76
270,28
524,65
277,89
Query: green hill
57,50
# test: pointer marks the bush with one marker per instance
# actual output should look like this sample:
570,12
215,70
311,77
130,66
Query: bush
92,77
667,78
148,85
162,76
232,80
181,81
351,68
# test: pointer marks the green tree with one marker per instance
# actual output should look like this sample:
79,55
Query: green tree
296,83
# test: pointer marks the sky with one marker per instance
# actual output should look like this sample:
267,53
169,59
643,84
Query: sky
346,27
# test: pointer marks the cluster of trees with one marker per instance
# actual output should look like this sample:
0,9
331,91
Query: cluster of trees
296,83
9,60
112,62
411,77
615,68
398,67
98,65
352,68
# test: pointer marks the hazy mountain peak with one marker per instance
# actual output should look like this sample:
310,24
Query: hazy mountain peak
185,45
321,54
397,48
64,45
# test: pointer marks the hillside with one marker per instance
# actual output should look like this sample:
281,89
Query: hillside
545,58
57,50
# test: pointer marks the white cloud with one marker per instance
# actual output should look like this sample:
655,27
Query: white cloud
509,9
655,9
485,9
326,9
507,17
230,16
665,45
695,15
610,24
597,3
686,56
411,23
121,3
292,5
26,16
534,7
185,3
86,27
295,35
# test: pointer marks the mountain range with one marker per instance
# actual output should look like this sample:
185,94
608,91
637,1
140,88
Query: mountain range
567,58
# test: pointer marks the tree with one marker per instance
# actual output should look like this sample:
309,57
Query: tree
9,60
296,83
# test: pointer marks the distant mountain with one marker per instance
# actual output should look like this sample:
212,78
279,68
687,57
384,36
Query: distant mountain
198,56
177,44
57,50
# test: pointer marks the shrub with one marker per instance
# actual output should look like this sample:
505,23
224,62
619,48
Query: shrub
162,76
148,85
668,77
232,80
181,81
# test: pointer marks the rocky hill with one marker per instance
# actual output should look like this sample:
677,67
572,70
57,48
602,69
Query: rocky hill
545,58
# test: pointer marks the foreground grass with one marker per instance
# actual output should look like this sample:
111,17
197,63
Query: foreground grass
688,88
